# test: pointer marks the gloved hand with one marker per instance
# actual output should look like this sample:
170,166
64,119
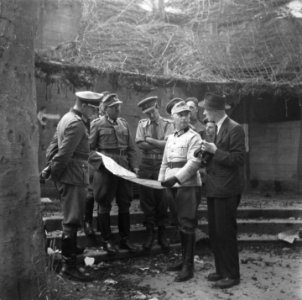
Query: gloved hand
168,183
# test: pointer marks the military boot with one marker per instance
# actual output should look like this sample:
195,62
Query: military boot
69,262
177,266
162,238
104,225
88,223
88,228
147,246
124,230
187,270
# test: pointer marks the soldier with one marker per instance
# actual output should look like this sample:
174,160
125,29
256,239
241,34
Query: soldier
151,136
88,228
179,166
199,127
69,171
111,136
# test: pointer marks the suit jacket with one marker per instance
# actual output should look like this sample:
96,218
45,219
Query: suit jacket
224,176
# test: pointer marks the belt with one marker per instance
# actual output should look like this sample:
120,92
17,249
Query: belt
81,156
176,164
153,155
119,152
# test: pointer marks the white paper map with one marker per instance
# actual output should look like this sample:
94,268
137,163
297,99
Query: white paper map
120,171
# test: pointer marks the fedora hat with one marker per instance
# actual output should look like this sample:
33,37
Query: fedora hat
213,102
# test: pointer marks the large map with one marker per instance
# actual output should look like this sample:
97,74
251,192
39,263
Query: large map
120,171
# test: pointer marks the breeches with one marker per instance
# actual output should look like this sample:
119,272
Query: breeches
72,204
153,202
186,201
106,187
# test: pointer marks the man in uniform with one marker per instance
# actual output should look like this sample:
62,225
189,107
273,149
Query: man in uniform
223,190
192,102
88,228
69,171
111,136
179,166
151,136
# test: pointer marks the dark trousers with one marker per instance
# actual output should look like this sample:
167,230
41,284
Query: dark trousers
186,201
153,202
73,206
106,187
222,213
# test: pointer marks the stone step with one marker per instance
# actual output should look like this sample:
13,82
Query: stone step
264,216
138,235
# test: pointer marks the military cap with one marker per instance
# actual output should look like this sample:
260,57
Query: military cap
89,97
180,107
171,103
111,100
214,102
193,99
148,104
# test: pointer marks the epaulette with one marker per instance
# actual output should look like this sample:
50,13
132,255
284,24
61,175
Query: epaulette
77,117
123,120
95,120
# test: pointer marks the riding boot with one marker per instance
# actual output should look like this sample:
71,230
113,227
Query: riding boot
104,225
124,230
69,261
162,239
88,228
78,250
178,265
150,237
187,270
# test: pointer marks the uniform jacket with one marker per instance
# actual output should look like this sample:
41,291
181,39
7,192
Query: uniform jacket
164,128
180,148
69,165
105,135
224,177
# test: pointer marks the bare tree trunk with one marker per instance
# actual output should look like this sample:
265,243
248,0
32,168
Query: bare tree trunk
299,164
22,259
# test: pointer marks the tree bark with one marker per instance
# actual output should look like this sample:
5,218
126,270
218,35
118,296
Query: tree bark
22,258
299,162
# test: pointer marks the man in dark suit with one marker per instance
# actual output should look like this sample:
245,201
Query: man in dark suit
223,190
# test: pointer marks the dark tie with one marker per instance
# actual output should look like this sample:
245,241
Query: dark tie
154,130
216,133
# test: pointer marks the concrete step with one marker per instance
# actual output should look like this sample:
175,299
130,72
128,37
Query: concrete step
138,236
282,216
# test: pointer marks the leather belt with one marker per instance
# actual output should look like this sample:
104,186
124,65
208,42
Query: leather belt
153,155
176,164
119,152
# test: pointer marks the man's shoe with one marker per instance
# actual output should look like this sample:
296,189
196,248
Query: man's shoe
226,283
186,273
214,277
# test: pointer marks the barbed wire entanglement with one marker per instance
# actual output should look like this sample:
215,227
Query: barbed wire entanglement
259,41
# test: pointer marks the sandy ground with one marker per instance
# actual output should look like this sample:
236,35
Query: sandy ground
266,273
